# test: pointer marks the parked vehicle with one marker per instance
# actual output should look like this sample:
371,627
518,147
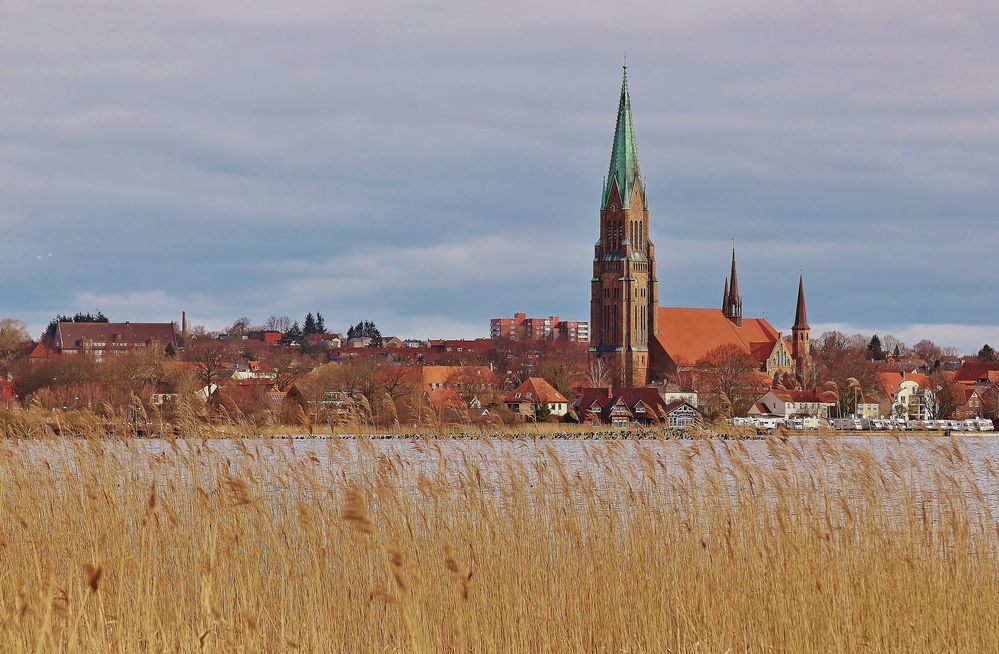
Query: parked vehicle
767,423
984,424
803,422
848,424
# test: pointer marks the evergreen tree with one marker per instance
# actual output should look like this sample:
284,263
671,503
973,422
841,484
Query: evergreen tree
320,323
897,353
986,354
368,329
874,350
50,330
170,351
372,332
293,336
310,324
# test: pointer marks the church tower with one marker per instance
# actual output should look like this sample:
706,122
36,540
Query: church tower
732,302
624,291
800,345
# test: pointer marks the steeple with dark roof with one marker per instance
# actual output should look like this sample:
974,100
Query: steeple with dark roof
801,349
734,288
624,168
725,295
733,301
800,319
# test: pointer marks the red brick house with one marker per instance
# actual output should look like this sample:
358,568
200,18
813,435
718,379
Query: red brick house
102,339
621,407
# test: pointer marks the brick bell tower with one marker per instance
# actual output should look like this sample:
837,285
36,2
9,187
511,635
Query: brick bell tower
624,291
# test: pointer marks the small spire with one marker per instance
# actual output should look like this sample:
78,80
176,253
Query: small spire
734,288
725,296
800,319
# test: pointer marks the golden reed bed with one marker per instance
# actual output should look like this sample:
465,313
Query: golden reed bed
425,546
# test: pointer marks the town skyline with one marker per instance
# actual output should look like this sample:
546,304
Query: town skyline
409,191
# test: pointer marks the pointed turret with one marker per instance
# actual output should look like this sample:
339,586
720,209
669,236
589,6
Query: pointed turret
800,319
801,348
734,289
725,296
733,301
624,168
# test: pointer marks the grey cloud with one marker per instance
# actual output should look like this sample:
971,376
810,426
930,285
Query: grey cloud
265,157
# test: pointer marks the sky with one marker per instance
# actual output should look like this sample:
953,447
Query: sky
430,165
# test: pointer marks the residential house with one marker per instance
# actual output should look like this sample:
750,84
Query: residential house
266,336
536,391
327,340
905,393
868,407
40,352
254,370
621,407
784,403
977,373
446,387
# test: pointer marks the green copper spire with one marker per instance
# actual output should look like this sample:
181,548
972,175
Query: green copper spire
624,155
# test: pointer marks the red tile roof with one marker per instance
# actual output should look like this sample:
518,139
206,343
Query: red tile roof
798,396
891,380
70,334
972,371
536,390
605,399
41,351
688,334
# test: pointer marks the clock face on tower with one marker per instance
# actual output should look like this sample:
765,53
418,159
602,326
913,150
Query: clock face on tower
612,207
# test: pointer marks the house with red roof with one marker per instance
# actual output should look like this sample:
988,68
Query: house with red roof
621,407
535,391
783,403
905,393
40,352
103,339
977,372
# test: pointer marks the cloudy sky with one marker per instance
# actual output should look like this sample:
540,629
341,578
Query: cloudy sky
429,165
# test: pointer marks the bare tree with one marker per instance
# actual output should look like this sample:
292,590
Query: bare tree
240,326
889,343
13,338
598,375
942,396
210,358
927,350
287,365
278,324
727,376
